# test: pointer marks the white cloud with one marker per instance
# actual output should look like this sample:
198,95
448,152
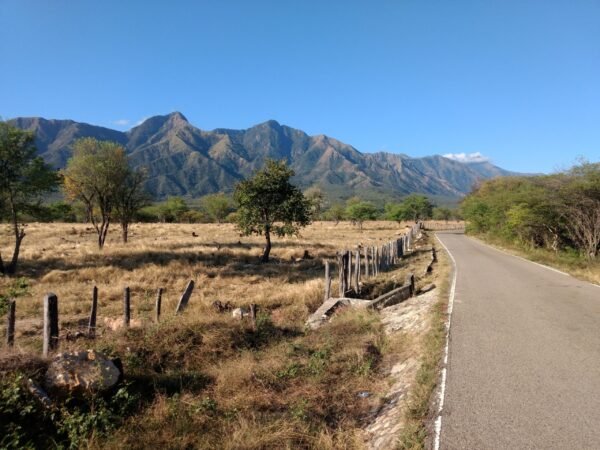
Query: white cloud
467,157
121,122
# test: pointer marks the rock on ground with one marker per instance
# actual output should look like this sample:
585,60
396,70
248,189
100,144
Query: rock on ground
80,372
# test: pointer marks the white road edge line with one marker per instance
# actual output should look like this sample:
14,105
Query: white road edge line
532,262
442,391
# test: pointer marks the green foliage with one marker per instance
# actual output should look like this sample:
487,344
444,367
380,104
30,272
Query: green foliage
59,212
26,423
336,213
443,213
24,178
553,212
317,201
18,288
217,206
358,211
415,207
99,176
268,203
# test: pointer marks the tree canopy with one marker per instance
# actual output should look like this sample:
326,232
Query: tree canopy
414,207
555,212
269,204
357,211
24,178
98,175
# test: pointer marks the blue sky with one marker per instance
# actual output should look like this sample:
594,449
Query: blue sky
517,81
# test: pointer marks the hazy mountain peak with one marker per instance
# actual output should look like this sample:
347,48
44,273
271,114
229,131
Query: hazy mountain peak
184,160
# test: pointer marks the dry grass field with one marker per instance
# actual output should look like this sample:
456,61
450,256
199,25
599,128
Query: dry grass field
204,379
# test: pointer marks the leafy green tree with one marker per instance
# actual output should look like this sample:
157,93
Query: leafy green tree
336,213
99,175
217,206
173,209
358,211
581,207
317,201
269,204
442,213
24,178
130,197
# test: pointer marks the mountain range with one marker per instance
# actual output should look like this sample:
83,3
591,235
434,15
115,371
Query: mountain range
184,160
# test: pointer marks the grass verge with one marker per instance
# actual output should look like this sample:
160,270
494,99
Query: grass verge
419,407
567,261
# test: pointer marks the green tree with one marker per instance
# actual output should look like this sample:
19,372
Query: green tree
415,207
130,197
336,213
217,206
358,211
316,199
442,213
269,204
24,178
97,175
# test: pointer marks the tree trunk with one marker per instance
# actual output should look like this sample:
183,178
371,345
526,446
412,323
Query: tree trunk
102,232
19,235
265,256
124,231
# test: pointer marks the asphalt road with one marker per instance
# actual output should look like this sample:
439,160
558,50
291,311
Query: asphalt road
524,355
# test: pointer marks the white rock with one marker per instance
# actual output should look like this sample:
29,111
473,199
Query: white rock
80,372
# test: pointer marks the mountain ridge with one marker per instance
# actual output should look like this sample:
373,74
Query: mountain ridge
182,159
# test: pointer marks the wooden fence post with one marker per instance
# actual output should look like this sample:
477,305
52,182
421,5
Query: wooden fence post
253,309
126,306
185,297
349,266
327,282
10,326
357,271
341,273
158,304
93,313
50,323
410,281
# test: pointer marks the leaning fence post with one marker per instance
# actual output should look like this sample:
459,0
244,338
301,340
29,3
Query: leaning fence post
50,323
126,306
185,297
349,275
158,304
340,258
327,281
410,281
93,312
253,309
10,327
357,271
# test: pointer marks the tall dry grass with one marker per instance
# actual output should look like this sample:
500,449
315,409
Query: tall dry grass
205,379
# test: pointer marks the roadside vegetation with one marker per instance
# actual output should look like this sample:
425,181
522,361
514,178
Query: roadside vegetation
553,219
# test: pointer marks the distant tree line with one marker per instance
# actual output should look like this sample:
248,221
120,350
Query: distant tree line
555,212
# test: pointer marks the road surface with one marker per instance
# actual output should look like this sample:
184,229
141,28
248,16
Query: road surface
524,355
